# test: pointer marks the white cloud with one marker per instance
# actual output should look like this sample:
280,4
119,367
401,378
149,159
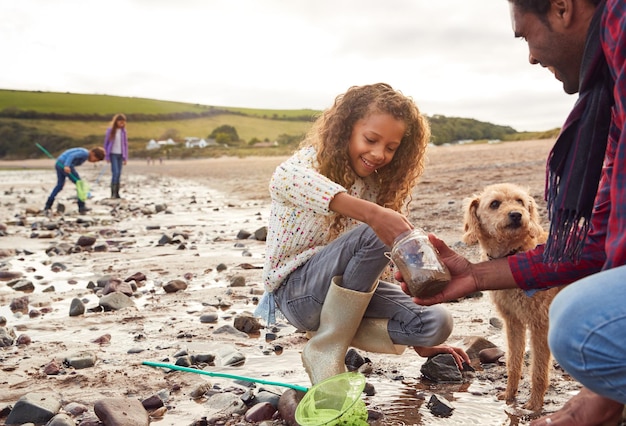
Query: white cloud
454,57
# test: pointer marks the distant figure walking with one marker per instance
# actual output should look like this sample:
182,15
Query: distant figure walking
65,168
116,151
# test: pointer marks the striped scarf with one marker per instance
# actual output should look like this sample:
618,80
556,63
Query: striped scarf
575,162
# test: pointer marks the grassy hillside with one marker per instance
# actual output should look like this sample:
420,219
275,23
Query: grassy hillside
72,103
63,120
143,131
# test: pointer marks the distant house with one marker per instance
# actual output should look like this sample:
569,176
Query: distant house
265,144
170,141
152,145
193,142
158,144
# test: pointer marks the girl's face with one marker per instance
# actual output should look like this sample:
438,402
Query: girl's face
374,141
120,122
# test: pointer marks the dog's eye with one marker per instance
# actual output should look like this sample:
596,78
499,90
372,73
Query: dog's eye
494,204
520,201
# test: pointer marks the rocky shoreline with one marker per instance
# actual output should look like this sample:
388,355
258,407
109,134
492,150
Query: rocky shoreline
171,274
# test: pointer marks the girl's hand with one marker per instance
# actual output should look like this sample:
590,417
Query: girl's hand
388,224
67,169
463,280
458,353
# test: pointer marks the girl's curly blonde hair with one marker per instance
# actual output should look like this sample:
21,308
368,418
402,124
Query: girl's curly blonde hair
331,132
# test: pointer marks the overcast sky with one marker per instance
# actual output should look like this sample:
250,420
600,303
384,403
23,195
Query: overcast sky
453,57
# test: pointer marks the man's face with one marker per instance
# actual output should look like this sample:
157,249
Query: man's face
551,44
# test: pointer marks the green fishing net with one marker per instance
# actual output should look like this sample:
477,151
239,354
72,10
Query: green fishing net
82,190
334,401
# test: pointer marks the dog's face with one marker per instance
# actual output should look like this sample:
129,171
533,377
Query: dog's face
502,219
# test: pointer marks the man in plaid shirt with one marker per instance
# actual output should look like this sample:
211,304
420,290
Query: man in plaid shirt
583,42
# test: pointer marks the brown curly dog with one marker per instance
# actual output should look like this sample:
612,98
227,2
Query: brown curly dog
504,220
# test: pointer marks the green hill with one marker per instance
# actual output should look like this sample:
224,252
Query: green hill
62,120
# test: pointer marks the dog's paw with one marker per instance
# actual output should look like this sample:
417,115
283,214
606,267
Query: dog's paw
507,397
534,404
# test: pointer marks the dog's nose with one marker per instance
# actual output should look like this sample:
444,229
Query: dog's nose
516,217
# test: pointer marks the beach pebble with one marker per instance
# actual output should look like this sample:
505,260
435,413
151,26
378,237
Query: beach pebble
115,301
221,405
442,368
137,277
23,339
52,368
75,408
7,252
287,405
439,406
61,419
86,241
490,355
230,330
204,358
474,344
243,235
117,285
121,412
34,407
174,285
103,340
23,285
200,390
247,323
496,322
9,275
184,361
77,307
261,234
152,402
81,360
209,318
238,281
19,304
260,412
7,337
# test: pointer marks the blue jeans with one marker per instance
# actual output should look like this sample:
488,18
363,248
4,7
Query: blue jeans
116,167
359,256
588,331
61,175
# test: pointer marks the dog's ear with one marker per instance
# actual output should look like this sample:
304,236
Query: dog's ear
536,229
471,224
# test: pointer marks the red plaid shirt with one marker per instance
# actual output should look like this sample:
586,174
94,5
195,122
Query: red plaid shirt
605,247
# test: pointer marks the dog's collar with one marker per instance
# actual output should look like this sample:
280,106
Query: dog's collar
512,252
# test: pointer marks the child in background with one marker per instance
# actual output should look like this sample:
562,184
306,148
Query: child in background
336,210
65,168
116,150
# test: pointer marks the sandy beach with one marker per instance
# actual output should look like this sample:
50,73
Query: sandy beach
194,225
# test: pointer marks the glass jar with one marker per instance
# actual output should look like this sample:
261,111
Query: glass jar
419,263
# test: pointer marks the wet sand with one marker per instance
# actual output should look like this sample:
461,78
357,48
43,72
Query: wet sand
205,204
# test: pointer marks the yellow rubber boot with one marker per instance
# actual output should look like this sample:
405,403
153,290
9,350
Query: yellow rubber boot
324,354
372,336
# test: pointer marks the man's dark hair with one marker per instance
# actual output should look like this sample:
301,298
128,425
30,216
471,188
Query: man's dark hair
539,7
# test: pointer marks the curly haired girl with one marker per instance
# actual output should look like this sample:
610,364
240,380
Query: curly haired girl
336,209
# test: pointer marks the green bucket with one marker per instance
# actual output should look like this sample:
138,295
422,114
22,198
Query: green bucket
334,401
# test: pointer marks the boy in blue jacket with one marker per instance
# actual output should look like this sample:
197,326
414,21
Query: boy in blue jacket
66,168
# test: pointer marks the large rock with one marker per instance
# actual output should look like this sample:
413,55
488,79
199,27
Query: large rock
115,301
121,412
35,407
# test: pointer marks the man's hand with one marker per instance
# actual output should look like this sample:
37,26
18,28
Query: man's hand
463,281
